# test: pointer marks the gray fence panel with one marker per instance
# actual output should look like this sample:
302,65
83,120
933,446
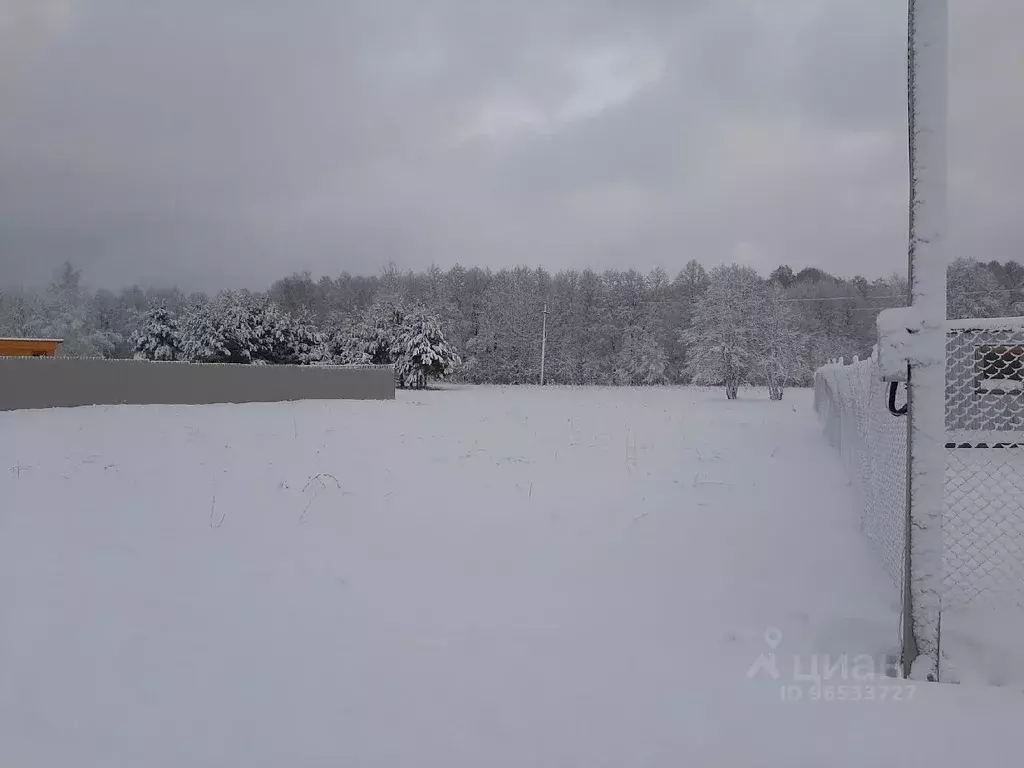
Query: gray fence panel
67,382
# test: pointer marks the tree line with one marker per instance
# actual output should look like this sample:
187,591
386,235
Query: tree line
727,326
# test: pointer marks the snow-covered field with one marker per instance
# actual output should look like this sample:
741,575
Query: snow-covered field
467,577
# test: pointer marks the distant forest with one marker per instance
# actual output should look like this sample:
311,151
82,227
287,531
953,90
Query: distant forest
612,327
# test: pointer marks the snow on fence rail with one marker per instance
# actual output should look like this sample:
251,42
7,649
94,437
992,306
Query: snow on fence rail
983,488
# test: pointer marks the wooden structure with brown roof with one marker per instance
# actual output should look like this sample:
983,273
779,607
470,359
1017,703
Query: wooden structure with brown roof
29,347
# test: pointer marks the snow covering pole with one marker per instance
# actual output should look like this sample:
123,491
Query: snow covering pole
927,87
543,344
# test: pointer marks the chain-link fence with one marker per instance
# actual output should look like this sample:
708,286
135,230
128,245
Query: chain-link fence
983,489
851,402
983,515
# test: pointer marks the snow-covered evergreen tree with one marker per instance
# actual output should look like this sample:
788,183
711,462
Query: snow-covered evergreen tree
721,342
420,351
370,338
254,330
270,333
308,345
202,334
244,328
250,328
345,347
157,336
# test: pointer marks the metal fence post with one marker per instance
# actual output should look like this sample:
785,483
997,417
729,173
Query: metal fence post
927,106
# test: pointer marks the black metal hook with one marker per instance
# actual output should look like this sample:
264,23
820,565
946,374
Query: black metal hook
901,411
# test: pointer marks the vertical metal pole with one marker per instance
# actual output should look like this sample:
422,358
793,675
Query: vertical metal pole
543,344
927,92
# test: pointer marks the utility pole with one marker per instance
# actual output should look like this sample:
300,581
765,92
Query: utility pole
543,343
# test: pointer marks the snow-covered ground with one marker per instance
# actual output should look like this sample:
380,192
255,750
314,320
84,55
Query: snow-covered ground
468,577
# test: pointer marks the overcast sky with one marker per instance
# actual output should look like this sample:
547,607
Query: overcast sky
211,143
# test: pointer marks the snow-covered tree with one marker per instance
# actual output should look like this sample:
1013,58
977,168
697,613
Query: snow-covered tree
157,336
252,327
65,315
420,351
641,360
20,311
693,280
780,346
494,318
271,333
369,339
202,334
345,347
722,341
308,345
782,276
506,346
246,328
973,291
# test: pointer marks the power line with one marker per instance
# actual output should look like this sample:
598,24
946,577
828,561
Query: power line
873,309
813,299
901,297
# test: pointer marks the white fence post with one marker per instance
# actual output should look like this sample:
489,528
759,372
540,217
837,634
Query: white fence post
927,105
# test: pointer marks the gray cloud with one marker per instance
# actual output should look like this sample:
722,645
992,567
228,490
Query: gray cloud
228,144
